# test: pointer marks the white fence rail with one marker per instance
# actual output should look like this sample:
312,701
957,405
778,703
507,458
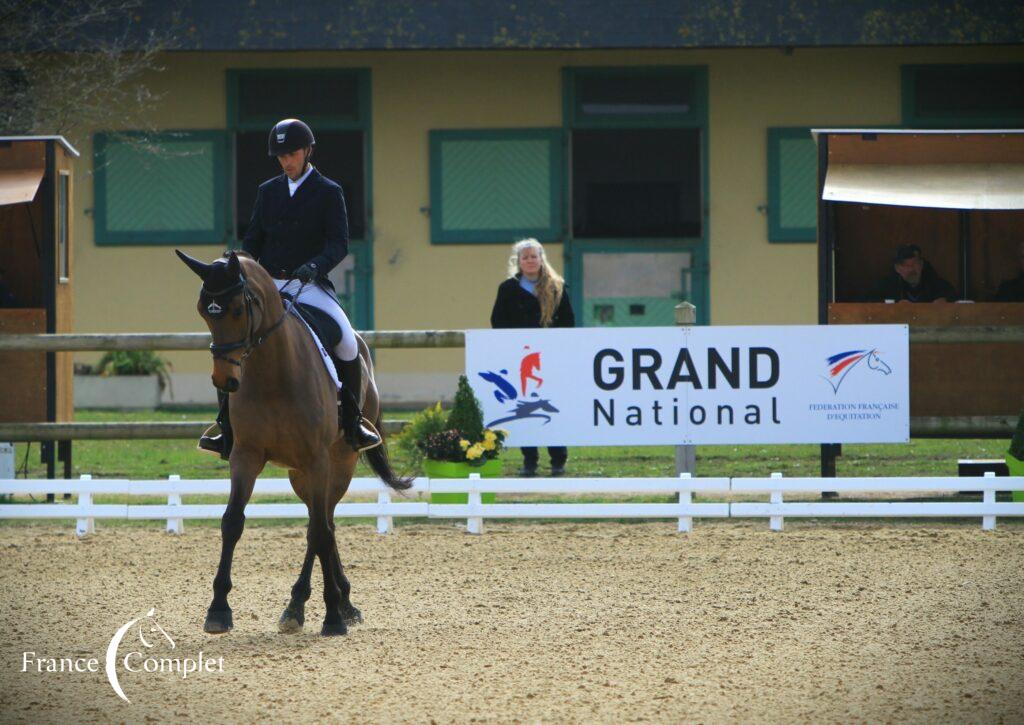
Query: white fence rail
776,509
474,511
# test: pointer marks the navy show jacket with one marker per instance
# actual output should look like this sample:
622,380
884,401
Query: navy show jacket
287,232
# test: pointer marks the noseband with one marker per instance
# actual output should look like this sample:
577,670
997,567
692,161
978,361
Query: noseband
220,351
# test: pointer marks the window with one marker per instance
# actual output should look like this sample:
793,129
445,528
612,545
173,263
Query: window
981,95
63,220
163,188
636,183
792,185
637,96
495,185
333,101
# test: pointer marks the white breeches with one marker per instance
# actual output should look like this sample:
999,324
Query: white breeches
312,294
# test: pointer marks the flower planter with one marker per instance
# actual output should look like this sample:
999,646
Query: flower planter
117,391
447,469
1016,469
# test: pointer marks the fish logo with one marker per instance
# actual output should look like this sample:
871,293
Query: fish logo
840,365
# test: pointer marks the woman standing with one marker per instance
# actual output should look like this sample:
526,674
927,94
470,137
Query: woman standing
534,295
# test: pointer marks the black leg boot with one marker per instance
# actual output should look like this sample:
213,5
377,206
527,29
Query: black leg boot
219,444
357,434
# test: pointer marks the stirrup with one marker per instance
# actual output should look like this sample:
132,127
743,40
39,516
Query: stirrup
367,432
216,445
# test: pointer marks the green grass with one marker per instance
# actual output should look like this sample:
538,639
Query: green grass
142,459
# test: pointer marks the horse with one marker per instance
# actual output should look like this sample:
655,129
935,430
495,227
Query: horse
877,363
283,411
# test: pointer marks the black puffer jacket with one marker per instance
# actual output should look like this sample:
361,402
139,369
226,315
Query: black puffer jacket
517,308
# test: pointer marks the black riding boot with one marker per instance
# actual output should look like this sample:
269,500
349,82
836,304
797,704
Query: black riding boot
357,434
221,443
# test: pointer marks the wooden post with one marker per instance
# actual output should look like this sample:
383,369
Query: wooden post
175,526
385,525
87,524
475,524
988,523
685,497
686,456
775,522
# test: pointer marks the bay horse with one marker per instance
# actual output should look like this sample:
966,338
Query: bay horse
283,410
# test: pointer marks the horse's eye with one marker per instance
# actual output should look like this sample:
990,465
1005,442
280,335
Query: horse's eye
237,311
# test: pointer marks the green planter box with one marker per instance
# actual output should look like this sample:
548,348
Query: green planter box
1016,469
445,469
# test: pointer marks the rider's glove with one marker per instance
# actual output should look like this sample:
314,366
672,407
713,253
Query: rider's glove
307,273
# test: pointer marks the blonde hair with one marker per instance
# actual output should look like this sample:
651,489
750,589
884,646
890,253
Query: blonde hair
549,285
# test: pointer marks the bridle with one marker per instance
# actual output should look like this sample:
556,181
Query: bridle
220,351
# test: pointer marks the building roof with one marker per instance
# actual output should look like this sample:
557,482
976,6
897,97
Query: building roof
231,25
59,139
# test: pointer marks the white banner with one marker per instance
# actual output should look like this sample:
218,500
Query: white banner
603,386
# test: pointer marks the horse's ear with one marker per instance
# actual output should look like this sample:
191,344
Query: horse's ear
234,266
195,265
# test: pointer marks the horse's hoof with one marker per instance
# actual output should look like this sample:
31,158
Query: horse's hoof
352,615
290,622
334,630
218,622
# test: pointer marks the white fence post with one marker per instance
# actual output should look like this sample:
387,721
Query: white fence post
85,525
175,526
685,497
988,523
475,524
384,523
686,456
775,522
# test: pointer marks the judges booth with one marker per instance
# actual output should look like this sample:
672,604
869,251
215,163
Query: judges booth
36,197
959,196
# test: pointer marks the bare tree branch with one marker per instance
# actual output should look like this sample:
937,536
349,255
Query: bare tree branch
56,77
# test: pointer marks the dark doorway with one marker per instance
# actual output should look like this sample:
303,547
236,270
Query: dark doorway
636,183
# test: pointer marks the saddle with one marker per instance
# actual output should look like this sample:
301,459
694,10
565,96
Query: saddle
323,324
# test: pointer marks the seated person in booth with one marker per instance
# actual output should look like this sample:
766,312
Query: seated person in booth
1012,290
913,279
534,295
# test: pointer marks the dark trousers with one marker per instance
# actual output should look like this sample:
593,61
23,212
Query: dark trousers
559,455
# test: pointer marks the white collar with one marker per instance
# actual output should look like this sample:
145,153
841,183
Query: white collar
293,185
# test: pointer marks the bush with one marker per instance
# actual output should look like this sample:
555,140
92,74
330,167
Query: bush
424,424
134,362
443,446
1017,442
466,417
456,437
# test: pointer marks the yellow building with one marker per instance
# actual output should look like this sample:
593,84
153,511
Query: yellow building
653,174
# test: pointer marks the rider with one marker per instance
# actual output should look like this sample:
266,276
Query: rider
299,231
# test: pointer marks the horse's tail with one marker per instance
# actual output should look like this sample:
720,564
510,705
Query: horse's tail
380,462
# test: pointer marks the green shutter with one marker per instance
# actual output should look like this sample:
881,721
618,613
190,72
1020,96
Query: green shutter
495,185
792,185
160,189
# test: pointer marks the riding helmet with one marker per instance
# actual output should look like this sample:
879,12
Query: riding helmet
289,135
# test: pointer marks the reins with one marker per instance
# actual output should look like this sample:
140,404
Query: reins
220,350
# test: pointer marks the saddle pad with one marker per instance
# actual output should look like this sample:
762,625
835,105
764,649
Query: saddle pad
324,355
323,324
